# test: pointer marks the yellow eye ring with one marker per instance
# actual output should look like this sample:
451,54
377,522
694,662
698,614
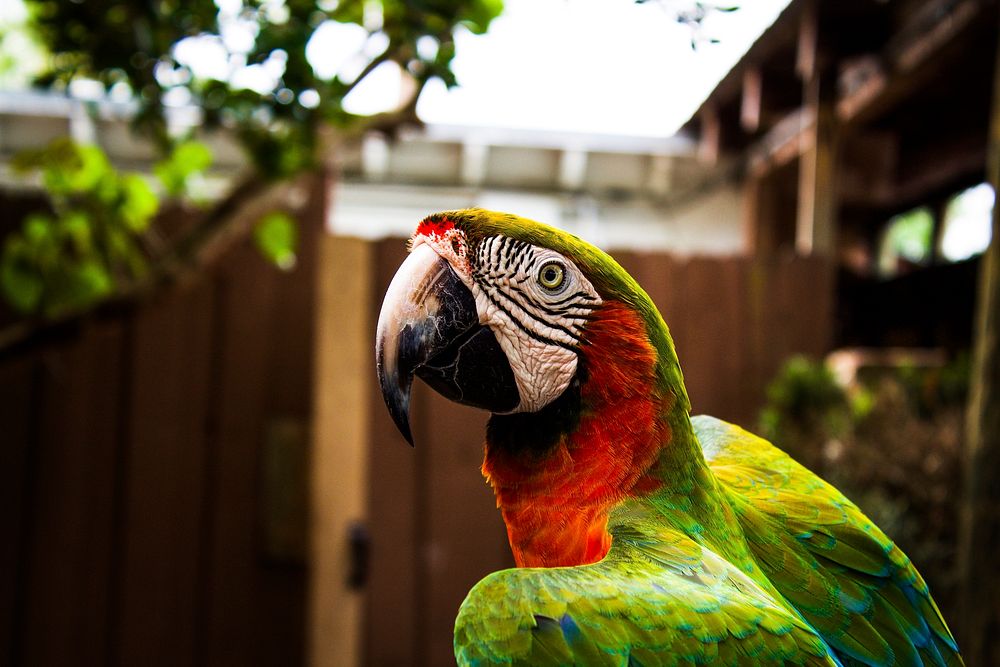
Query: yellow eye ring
551,276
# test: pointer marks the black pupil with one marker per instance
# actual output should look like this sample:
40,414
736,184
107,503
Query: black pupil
551,275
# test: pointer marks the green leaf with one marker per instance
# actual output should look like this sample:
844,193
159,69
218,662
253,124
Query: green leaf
87,167
193,155
480,13
37,229
139,202
276,236
21,283
186,160
77,228
90,281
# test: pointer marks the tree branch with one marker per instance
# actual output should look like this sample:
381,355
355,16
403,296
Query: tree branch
389,122
227,222
369,68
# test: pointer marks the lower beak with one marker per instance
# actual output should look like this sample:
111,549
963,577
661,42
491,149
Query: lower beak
429,326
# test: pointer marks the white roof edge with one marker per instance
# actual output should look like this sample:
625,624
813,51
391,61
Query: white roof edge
52,104
559,140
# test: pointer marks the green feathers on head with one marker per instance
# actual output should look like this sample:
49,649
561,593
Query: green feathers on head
608,277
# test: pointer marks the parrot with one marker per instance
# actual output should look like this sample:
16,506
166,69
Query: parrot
641,535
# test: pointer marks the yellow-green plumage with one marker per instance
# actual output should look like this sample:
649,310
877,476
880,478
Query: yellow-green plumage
827,586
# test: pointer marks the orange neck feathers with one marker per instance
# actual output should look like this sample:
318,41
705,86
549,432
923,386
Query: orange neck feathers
556,501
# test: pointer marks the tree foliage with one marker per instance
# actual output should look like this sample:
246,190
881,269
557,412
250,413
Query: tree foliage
93,240
262,87
99,238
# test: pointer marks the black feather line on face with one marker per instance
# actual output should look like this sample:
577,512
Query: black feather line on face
522,327
535,434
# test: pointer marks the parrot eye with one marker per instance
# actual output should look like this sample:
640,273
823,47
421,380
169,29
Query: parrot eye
551,276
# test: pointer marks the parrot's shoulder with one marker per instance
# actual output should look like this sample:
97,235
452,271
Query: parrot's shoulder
728,443
840,571
656,599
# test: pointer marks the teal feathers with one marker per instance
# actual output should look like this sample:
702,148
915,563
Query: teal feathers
822,586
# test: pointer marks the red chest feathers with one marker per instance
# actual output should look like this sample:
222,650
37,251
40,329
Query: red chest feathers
556,503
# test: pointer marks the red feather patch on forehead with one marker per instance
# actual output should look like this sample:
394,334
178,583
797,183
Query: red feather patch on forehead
435,226
447,240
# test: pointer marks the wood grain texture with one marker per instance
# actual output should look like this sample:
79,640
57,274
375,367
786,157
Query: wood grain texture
342,382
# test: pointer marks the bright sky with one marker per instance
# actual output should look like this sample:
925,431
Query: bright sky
594,66
967,223
602,66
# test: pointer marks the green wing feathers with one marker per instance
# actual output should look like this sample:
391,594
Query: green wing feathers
838,591
846,578
652,601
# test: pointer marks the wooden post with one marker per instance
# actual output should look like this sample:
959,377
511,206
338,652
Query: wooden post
344,368
939,209
815,229
751,100
979,528
807,49
709,145
753,215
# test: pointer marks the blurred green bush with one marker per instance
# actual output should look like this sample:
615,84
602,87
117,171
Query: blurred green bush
891,441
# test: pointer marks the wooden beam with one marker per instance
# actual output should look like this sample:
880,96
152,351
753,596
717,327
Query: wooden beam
815,228
767,203
711,134
340,445
914,58
939,25
783,143
753,215
807,54
868,80
750,104
979,516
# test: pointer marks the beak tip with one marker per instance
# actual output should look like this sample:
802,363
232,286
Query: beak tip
396,393
401,418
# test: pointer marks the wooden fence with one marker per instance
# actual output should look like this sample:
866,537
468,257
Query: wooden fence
137,470
152,485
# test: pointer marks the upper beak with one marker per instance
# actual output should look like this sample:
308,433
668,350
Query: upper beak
429,326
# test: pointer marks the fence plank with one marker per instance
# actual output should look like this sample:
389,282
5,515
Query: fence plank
72,480
165,494
343,376
19,380
256,590
255,546
247,295
713,359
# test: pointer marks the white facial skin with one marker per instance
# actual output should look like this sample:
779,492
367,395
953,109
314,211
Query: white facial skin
535,301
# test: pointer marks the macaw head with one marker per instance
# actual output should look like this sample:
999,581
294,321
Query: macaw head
496,311
550,335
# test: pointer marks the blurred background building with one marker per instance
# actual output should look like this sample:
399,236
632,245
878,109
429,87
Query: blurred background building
205,474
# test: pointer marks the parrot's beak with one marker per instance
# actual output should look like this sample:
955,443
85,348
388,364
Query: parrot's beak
429,326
